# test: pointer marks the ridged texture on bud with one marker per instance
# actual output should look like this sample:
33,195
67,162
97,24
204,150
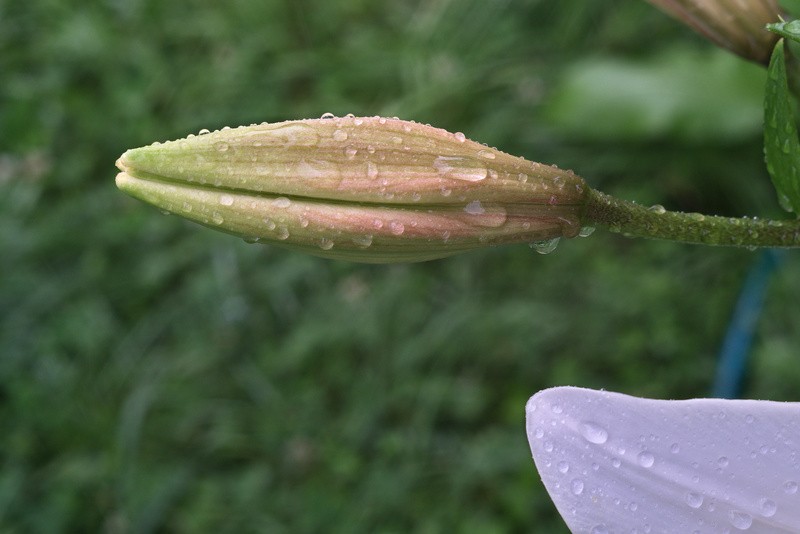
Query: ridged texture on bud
362,189
738,25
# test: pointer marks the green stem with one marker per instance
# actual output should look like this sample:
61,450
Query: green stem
632,219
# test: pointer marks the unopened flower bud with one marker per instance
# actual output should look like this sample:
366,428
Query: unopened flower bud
362,189
737,25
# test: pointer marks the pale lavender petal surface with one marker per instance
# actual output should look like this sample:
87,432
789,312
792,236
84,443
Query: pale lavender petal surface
619,464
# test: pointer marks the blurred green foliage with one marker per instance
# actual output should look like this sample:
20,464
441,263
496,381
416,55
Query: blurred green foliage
158,377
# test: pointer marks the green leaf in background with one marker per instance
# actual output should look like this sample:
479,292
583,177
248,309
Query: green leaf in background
790,6
711,97
790,30
781,147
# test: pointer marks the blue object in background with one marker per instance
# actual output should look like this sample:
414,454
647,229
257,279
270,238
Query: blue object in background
735,350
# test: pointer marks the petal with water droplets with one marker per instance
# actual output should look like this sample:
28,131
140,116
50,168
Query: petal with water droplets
642,465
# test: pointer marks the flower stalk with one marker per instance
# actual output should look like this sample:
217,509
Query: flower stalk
629,218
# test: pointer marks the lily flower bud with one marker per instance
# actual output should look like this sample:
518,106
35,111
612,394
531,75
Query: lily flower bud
737,25
371,189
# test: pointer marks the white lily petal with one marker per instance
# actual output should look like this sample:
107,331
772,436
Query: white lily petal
619,464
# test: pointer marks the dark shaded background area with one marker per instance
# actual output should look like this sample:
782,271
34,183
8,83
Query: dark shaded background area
159,377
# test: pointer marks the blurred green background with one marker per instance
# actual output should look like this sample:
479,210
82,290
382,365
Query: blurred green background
159,377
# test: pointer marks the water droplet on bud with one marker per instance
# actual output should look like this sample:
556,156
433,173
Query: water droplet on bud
545,246
397,228
474,208
363,241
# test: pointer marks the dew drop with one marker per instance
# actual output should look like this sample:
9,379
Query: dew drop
283,233
486,154
576,486
186,207
269,223
340,135
377,224
363,241
204,131
586,231
372,170
460,137
217,218
563,467
723,461
740,520
790,487
694,500
221,146
350,152
646,459
358,121
226,200
674,448
459,168
397,228
382,120
474,208
767,507
546,246
325,243
328,115
615,462
594,433
658,209
281,202
599,529
539,433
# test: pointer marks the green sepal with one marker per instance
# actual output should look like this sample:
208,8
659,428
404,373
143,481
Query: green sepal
789,30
